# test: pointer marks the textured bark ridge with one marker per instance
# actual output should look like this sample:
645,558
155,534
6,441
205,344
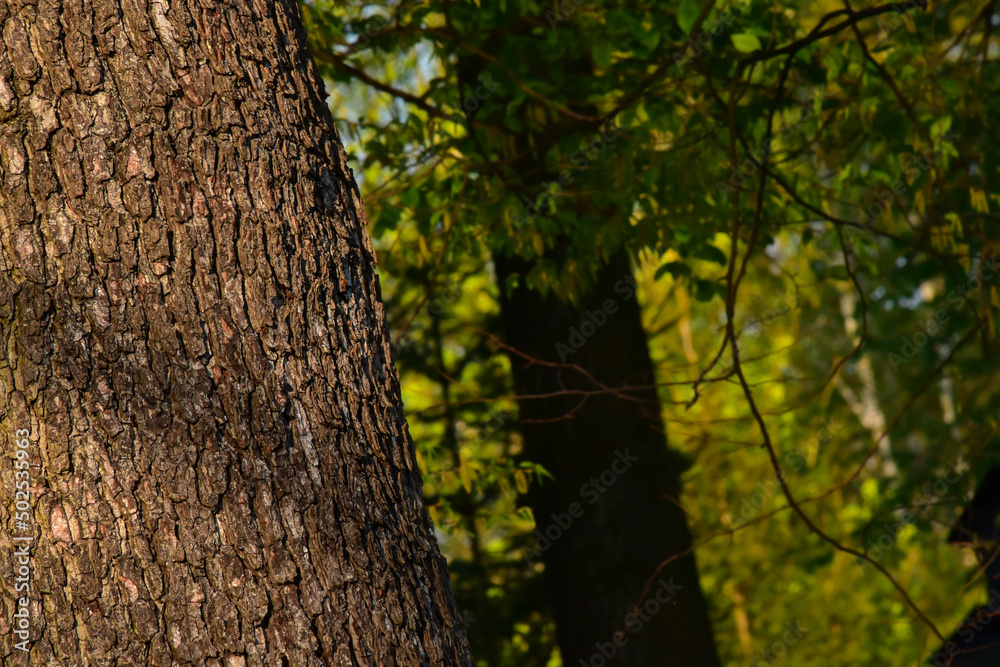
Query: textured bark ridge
191,329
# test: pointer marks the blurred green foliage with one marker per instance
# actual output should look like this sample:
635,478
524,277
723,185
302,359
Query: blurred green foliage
849,273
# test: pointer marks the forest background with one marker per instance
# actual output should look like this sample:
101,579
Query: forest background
807,192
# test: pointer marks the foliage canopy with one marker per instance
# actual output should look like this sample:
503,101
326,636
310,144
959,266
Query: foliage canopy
809,187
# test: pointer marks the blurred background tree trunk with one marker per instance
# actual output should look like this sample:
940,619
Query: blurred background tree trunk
597,567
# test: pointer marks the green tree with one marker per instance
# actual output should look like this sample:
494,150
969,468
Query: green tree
819,179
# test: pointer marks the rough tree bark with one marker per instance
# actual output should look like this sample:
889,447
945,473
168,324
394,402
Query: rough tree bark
192,333
597,568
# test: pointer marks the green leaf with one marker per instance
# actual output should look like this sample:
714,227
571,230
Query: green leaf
687,14
706,289
602,54
649,38
512,284
388,219
410,198
676,269
711,253
746,42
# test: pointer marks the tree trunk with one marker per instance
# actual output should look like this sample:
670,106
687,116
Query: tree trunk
609,518
193,340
